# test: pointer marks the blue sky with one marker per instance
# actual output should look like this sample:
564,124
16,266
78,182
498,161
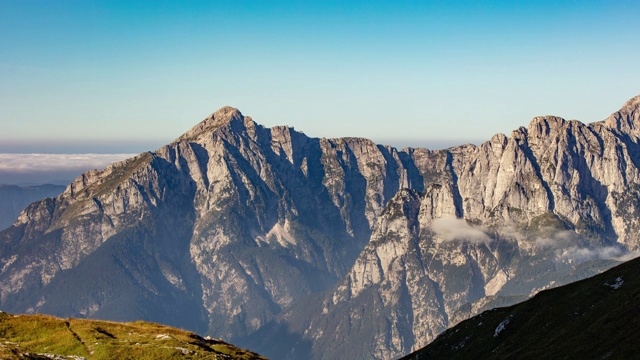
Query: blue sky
129,76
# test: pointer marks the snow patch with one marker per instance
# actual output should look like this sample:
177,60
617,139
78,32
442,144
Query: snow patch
617,284
501,327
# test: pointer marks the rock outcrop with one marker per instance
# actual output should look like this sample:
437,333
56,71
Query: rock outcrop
337,247
14,198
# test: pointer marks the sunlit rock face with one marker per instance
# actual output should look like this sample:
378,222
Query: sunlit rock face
14,198
301,247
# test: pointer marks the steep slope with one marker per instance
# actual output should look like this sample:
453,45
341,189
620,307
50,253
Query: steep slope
46,337
13,199
231,223
302,247
493,224
596,318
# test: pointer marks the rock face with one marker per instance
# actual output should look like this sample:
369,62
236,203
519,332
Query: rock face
596,318
328,248
14,198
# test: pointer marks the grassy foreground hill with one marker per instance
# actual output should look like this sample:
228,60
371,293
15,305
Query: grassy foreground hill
596,318
46,337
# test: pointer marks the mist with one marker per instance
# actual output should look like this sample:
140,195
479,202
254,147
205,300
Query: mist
58,169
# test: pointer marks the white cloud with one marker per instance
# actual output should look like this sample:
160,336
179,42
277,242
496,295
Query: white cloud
28,163
452,229
577,255
629,256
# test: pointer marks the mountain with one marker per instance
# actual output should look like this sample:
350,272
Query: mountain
301,247
486,226
13,199
46,337
596,318
231,223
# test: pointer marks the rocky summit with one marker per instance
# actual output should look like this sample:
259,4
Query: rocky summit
300,247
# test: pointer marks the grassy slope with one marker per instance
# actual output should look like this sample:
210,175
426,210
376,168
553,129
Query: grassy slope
596,318
93,339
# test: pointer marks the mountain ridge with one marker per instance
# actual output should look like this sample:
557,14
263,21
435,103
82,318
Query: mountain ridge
242,224
14,198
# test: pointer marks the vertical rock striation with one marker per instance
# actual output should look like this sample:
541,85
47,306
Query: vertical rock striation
328,248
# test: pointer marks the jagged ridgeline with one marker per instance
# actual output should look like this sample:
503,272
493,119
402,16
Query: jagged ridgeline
299,247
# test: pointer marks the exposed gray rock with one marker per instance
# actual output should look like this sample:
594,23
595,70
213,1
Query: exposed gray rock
236,230
14,198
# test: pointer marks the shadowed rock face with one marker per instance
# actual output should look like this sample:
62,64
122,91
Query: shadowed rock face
596,318
266,236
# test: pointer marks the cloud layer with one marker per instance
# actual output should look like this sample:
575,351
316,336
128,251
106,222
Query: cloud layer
561,243
22,163
577,255
41,168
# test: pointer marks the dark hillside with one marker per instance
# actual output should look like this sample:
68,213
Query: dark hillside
596,318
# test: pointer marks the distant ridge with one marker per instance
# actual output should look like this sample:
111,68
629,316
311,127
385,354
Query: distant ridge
316,248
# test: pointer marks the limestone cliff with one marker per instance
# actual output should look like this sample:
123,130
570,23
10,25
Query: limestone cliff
336,247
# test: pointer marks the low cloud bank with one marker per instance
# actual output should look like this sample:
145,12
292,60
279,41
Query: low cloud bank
566,251
452,229
561,243
51,168
578,255
57,162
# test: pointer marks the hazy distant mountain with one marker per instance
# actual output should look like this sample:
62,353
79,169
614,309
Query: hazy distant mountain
596,318
301,247
13,199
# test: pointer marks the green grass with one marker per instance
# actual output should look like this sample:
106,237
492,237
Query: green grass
93,339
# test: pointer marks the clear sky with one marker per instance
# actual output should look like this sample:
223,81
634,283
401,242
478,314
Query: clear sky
128,76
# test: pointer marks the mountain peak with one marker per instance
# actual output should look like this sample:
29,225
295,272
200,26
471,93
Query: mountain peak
627,119
634,102
222,116
225,113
